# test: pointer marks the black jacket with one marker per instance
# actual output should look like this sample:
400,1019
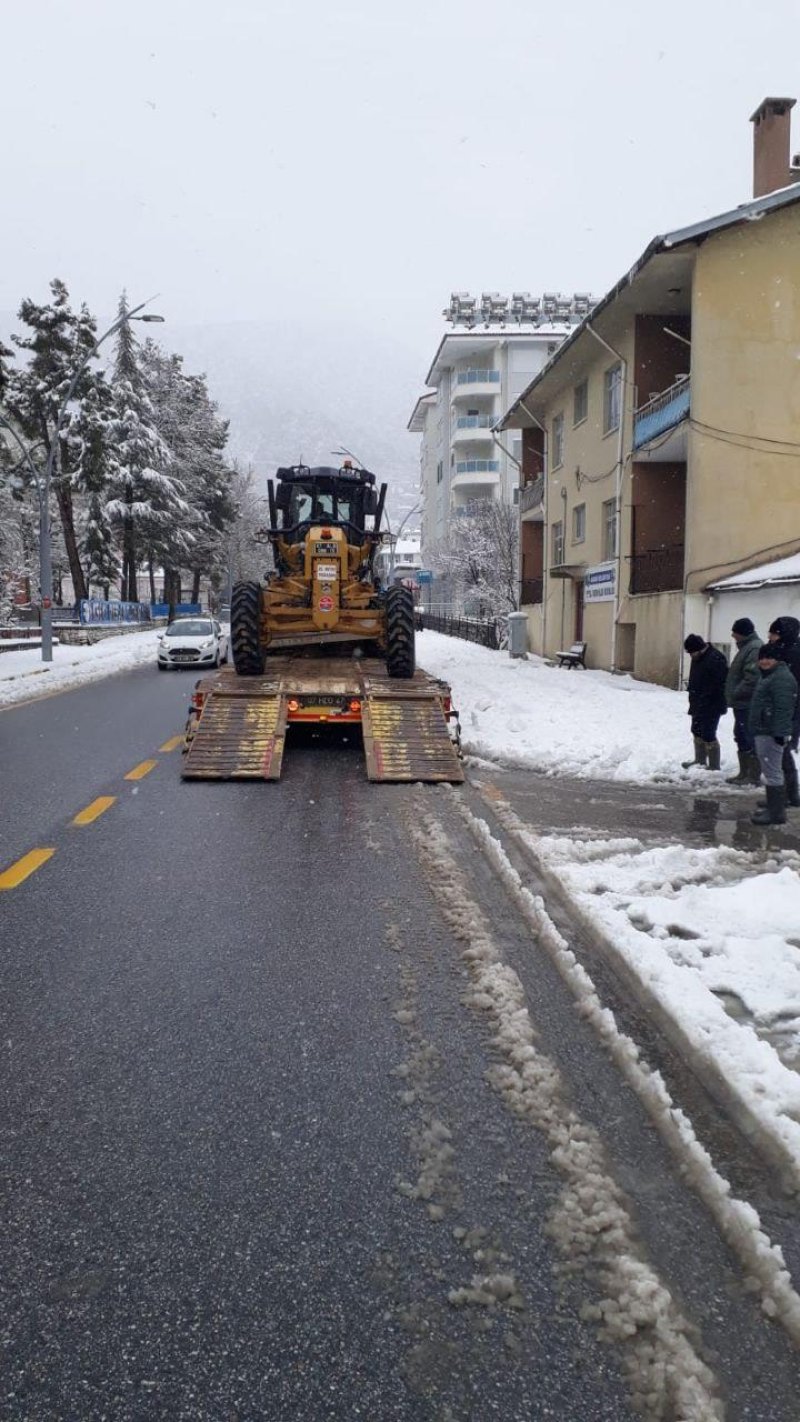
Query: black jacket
788,649
707,684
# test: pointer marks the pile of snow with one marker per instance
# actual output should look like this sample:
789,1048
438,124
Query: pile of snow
579,723
25,677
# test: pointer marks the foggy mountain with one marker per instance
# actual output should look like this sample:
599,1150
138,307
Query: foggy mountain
298,391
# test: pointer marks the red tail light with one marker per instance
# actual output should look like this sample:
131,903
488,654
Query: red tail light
293,705
355,706
197,700
326,533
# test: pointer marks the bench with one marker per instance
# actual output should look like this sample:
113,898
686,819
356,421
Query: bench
575,657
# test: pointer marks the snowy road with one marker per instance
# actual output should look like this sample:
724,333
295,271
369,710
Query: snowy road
300,1119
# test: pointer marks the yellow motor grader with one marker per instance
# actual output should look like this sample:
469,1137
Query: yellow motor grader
323,592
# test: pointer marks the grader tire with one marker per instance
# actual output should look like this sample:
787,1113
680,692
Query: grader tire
248,657
400,659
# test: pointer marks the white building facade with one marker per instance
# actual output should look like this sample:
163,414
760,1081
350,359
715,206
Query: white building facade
490,354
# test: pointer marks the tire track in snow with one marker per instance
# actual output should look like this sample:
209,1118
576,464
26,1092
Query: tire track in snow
591,1224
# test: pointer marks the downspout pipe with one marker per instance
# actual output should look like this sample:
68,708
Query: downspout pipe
618,487
545,578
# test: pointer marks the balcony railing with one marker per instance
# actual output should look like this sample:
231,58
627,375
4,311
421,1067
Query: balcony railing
478,466
661,413
477,377
531,592
475,422
658,570
531,496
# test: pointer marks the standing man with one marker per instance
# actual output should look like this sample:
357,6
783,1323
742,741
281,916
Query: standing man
706,699
783,633
772,712
739,687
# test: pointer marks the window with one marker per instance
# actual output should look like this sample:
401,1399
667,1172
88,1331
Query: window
579,523
558,441
609,530
612,391
580,402
558,543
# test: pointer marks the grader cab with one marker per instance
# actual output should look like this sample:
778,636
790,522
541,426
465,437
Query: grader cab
323,594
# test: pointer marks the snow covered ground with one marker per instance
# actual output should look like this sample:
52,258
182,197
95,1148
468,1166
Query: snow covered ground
24,676
578,723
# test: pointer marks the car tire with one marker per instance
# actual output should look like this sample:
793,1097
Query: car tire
161,667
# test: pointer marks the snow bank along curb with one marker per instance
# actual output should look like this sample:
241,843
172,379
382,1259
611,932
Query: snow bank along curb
774,1132
737,1220
23,676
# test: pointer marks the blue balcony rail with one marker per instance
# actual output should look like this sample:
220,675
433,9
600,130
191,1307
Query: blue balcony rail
477,377
475,422
661,413
478,466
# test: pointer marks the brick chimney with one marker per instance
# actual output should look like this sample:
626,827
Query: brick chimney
772,168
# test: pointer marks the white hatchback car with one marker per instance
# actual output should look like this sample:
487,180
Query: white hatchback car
192,642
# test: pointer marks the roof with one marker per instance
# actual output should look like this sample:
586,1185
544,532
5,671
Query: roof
696,233
785,570
417,422
511,331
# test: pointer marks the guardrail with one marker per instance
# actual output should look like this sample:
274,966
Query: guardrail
661,413
531,496
487,633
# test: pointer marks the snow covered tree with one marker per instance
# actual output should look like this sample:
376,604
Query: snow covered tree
479,558
147,503
58,340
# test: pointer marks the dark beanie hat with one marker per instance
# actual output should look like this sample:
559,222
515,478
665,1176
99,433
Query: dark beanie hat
744,627
770,650
693,643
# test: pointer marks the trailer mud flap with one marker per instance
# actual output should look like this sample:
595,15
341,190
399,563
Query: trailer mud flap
406,738
238,737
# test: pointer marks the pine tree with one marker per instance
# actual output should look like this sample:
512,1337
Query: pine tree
146,503
59,340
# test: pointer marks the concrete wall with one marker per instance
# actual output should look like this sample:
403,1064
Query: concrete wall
657,654
742,502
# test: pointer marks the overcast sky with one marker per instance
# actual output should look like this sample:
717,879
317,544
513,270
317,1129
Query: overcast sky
357,160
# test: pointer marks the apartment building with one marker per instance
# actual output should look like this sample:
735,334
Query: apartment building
661,440
483,362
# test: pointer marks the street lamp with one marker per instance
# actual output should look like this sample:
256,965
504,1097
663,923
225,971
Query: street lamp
44,480
394,538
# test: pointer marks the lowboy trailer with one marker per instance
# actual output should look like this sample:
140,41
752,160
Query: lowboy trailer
237,725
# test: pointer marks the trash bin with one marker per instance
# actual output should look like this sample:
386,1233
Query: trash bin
517,634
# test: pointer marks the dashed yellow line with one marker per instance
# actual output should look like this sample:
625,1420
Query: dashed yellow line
141,770
30,862
171,744
95,810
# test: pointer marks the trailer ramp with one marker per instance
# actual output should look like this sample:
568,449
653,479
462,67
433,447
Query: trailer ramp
240,735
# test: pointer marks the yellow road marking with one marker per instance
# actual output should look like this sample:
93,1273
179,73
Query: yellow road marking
24,866
172,744
95,810
141,770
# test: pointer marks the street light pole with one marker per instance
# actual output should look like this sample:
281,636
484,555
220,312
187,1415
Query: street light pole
43,481
395,539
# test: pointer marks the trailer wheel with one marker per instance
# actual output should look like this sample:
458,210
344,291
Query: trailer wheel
248,657
400,659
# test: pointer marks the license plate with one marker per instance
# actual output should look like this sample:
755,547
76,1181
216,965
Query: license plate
326,550
327,572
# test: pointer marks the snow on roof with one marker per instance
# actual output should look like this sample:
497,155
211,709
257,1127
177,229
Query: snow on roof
785,570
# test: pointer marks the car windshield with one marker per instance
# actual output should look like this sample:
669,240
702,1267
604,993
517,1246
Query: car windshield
190,628
310,502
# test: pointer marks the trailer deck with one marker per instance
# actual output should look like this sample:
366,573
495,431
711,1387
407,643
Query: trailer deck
237,725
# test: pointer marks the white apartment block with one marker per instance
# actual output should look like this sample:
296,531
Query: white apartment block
489,355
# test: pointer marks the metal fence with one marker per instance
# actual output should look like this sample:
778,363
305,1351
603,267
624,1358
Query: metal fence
490,633
658,570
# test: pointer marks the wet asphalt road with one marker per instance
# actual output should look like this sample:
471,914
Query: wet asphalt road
212,999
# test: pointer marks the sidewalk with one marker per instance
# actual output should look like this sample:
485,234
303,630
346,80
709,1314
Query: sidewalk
25,677
693,904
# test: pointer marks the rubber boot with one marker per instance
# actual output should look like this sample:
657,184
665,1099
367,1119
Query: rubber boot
775,811
743,778
754,768
700,754
790,780
713,748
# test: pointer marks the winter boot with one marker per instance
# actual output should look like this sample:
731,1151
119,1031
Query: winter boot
700,754
743,778
790,780
713,748
754,768
775,810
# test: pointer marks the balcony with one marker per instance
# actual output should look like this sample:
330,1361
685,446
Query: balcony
661,414
531,498
469,428
531,592
466,384
658,570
